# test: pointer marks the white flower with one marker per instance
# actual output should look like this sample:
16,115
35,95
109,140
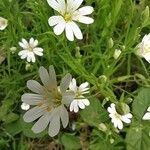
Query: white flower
117,53
30,49
80,101
69,14
49,102
143,49
147,115
25,106
3,23
116,118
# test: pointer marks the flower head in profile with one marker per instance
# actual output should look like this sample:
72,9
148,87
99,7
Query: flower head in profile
69,14
3,23
79,101
30,49
118,119
147,114
143,49
48,101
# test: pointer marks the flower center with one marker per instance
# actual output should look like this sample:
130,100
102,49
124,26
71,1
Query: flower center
30,48
117,115
67,17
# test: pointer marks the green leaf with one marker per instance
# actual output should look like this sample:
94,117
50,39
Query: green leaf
11,117
141,103
14,128
95,113
70,142
138,138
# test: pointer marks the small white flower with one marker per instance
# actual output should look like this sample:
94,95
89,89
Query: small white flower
3,23
25,106
116,118
143,49
117,53
79,101
69,14
147,115
30,49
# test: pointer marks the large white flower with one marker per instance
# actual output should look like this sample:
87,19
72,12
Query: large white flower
3,23
30,49
147,114
143,49
117,118
79,101
69,14
49,102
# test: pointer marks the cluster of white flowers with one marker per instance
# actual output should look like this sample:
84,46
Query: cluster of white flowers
49,102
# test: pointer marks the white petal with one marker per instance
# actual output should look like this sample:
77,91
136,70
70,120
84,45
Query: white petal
148,109
86,10
55,5
76,30
31,41
42,123
125,119
83,86
69,32
23,52
54,20
24,46
146,116
86,102
76,4
25,42
33,114
147,57
120,124
74,106
80,104
73,85
59,28
85,20
38,51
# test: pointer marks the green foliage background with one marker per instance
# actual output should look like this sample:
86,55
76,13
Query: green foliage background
128,77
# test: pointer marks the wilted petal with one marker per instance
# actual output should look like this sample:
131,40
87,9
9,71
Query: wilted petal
65,83
64,116
54,126
33,114
68,97
34,86
44,77
42,123
32,99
